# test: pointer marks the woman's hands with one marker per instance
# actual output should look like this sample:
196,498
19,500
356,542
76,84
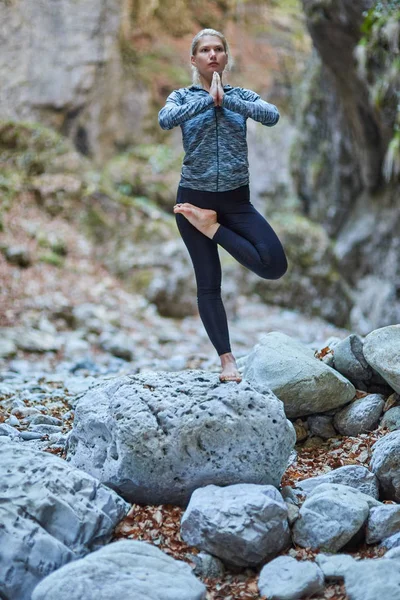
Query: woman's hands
216,89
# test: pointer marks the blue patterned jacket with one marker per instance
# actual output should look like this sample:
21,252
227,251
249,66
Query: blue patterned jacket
214,137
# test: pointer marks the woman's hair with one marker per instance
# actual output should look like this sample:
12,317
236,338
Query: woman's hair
195,43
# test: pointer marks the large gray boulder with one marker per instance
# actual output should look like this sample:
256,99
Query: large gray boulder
382,352
156,437
286,578
373,580
242,524
122,570
360,416
50,514
355,476
383,522
305,384
348,358
385,463
331,516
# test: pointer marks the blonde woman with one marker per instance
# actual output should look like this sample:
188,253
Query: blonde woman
213,201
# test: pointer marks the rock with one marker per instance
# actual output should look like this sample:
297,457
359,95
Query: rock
93,317
121,570
393,553
33,340
360,416
334,566
321,425
330,517
355,476
31,435
9,431
304,384
286,578
385,463
207,565
242,524
18,255
383,522
391,542
45,429
293,512
157,436
391,419
118,343
373,580
349,360
8,348
382,352
51,513
43,419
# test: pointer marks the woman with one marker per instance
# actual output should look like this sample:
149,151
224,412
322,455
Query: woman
213,202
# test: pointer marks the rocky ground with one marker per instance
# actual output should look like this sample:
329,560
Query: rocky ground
66,323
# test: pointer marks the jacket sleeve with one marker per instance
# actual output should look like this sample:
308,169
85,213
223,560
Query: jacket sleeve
250,105
176,112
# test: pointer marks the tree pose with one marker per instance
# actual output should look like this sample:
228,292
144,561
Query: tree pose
213,201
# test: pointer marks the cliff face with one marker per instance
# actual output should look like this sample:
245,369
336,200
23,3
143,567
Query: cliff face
346,158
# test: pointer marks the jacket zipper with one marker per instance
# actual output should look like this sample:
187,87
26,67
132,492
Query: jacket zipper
216,131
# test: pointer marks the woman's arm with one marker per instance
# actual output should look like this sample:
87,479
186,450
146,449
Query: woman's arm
175,112
250,105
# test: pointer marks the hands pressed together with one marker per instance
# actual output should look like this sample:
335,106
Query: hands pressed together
216,89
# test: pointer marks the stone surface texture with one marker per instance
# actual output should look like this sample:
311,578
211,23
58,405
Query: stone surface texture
382,351
360,416
286,578
305,384
50,513
242,524
121,570
385,463
355,476
156,437
330,517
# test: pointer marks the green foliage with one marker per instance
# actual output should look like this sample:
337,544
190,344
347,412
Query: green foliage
51,258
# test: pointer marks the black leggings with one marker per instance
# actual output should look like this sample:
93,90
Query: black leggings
245,234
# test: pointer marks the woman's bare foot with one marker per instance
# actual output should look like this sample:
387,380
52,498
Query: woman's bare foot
229,368
203,219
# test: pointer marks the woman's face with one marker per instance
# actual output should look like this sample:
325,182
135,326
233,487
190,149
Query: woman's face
210,56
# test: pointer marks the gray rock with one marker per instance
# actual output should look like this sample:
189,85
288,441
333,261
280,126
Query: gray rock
286,578
334,566
241,524
382,352
391,419
304,384
383,521
7,348
373,580
33,340
121,570
385,463
330,517
156,437
45,429
360,416
118,343
207,565
50,514
293,512
393,553
355,476
43,419
321,425
391,542
31,435
9,431
13,421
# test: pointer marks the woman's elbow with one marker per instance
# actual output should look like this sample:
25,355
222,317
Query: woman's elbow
163,121
274,118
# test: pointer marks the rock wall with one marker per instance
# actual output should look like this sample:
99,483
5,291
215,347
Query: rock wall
345,160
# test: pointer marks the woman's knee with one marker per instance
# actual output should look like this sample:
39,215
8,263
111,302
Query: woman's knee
275,269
